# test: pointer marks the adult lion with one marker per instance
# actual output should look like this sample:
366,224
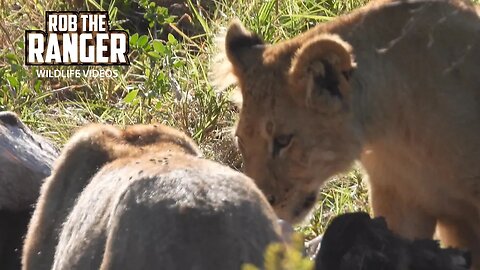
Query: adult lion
142,198
396,85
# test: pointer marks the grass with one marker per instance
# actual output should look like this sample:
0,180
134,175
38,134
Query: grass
167,81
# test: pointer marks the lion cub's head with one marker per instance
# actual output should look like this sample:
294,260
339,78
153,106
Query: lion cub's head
295,128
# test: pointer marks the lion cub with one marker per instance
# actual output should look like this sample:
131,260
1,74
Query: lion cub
143,198
395,85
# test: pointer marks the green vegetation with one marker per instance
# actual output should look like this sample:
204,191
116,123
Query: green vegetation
166,82
280,257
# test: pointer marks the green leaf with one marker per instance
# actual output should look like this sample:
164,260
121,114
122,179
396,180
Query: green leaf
170,19
11,57
159,47
134,39
130,96
161,77
171,39
16,68
37,85
13,81
142,41
158,106
178,63
154,55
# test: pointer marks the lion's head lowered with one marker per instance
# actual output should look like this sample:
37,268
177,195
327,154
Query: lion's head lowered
295,128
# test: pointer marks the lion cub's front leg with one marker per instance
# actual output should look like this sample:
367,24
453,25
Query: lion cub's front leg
460,233
404,215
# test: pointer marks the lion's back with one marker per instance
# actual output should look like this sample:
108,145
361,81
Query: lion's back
181,213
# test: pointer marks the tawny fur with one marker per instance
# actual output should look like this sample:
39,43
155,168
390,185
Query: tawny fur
143,198
409,111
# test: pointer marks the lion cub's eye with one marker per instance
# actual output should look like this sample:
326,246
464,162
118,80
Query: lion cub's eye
281,142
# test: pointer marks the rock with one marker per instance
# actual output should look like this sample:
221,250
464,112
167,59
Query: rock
25,160
354,241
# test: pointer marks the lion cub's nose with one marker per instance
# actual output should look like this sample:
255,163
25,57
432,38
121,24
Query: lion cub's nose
271,199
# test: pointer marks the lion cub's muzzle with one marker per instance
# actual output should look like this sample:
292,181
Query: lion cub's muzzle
293,208
305,205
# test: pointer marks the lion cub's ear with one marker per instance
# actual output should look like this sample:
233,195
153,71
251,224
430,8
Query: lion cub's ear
243,48
320,72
